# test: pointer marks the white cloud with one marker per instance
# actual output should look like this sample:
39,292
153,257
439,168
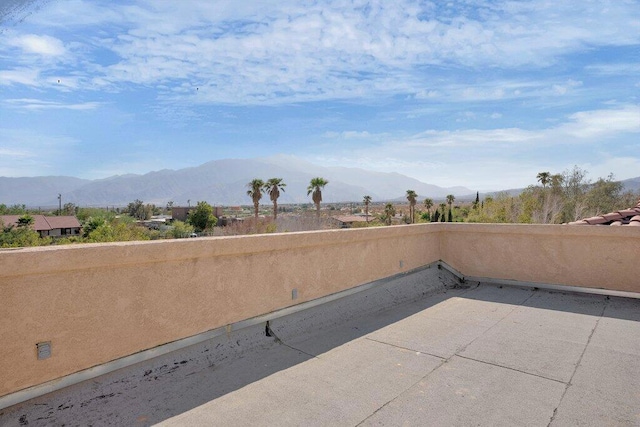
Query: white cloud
20,76
600,123
624,68
486,159
40,45
350,134
256,53
38,104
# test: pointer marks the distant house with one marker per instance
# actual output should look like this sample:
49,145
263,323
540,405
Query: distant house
347,221
48,226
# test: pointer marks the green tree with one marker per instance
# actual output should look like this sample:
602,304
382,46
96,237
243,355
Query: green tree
69,209
389,213
604,196
443,216
476,203
544,178
13,209
412,197
201,217
118,231
20,237
315,189
273,187
138,210
91,224
574,188
256,188
181,230
367,201
25,221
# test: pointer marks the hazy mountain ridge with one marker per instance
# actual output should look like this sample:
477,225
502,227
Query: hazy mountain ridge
223,182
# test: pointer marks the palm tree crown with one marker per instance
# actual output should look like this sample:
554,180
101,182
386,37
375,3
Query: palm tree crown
389,213
273,186
450,199
256,187
544,178
315,186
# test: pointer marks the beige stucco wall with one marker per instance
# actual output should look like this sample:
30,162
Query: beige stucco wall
588,256
97,303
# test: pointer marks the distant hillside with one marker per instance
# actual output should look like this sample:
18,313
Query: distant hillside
632,184
41,190
218,182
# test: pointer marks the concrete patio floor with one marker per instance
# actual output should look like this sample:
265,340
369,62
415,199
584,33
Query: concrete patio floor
486,355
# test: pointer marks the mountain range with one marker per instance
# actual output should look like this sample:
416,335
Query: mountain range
224,182
219,182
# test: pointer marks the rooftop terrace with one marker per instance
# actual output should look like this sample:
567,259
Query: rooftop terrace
424,345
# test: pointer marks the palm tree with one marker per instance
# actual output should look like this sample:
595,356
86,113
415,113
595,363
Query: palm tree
273,186
428,204
256,187
366,200
411,197
389,213
450,199
544,178
315,186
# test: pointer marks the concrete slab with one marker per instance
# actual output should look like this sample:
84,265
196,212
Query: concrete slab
452,324
546,336
342,387
464,392
589,408
319,341
617,329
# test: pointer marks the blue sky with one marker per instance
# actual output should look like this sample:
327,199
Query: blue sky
483,94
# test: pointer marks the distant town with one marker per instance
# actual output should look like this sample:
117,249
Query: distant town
556,199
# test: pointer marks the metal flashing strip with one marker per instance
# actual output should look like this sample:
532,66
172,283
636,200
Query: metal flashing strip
142,356
539,285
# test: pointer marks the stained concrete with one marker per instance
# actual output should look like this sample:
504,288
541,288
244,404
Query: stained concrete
409,352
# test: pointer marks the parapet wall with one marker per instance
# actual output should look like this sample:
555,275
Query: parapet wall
97,303
587,256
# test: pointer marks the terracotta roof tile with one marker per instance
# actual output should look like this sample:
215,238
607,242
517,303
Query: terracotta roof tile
629,212
629,216
614,216
596,220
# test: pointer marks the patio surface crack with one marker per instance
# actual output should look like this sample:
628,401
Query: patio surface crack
570,382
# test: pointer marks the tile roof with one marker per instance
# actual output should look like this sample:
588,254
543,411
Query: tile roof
44,223
352,218
629,216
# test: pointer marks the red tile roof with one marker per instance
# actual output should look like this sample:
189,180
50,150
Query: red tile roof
629,216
